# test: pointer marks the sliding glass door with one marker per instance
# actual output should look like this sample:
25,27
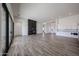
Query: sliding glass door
0,30
6,29
3,29
11,30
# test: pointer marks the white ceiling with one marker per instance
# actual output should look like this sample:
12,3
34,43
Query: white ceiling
45,11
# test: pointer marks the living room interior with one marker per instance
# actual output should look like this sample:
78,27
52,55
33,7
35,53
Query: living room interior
39,29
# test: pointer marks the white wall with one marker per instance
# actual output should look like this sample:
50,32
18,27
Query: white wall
25,28
21,27
67,25
18,28
68,22
39,27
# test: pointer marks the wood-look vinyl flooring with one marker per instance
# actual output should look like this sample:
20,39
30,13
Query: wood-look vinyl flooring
44,45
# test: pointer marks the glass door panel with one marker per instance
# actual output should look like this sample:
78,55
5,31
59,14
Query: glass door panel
3,29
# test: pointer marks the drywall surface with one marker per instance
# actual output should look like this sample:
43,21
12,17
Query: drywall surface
18,28
68,22
21,27
68,25
39,27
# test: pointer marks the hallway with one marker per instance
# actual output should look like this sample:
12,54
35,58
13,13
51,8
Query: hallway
47,45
